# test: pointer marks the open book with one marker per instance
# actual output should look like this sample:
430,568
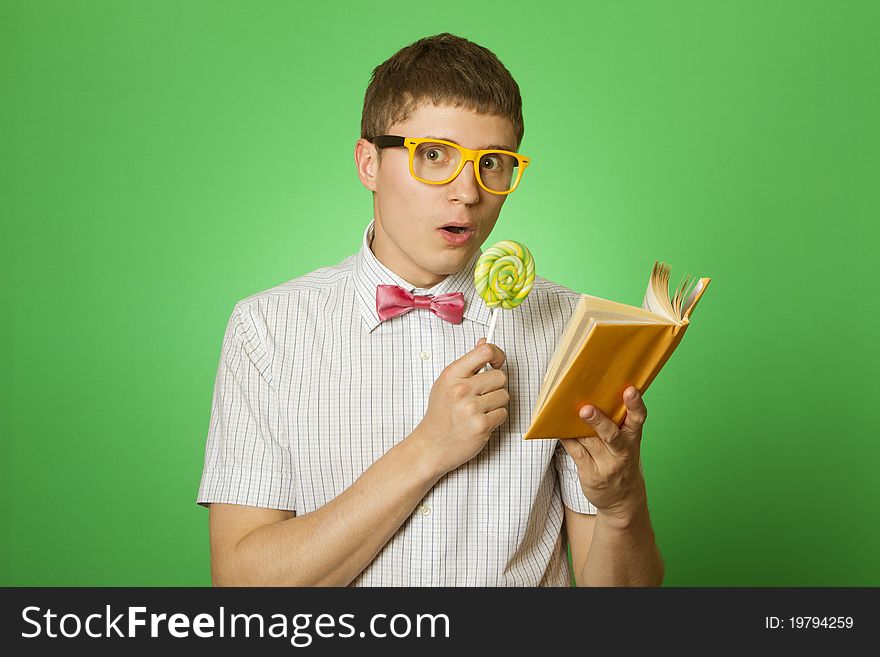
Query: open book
607,347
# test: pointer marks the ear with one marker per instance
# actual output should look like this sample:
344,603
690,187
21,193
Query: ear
367,161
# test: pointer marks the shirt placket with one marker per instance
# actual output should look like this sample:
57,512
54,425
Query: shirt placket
424,362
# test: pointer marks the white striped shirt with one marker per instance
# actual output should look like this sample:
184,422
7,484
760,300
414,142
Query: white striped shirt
312,388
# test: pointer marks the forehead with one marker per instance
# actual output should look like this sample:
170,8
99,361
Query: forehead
465,127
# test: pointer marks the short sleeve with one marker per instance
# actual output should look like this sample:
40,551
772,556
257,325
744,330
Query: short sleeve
570,486
247,455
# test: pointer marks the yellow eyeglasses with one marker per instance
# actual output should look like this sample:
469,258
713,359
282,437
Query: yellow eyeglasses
437,162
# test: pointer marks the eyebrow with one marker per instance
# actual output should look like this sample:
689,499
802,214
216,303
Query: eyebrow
481,148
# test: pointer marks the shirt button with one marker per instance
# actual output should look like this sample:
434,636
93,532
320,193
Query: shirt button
425,355
425,510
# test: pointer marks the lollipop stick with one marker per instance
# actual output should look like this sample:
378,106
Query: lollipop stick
489,334
492,324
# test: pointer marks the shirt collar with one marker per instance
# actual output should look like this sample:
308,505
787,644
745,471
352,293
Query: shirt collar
369,273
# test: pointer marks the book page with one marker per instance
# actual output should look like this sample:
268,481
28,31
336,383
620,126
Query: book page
627,318
576,325
565,351
572,327
595,305
695,293
657,294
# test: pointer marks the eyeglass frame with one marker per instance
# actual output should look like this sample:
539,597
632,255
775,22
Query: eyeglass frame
467,155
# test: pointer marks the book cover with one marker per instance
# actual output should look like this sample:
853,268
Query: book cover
607,347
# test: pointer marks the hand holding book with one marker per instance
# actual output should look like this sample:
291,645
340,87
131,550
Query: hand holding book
608,466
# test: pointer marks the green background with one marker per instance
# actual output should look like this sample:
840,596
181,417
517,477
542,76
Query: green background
162,160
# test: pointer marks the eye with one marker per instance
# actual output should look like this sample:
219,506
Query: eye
433,154
491,162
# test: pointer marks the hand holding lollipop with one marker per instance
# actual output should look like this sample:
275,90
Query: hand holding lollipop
504,276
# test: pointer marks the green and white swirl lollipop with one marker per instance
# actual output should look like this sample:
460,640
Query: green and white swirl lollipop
504,276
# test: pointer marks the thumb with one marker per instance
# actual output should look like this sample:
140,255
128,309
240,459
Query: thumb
481,341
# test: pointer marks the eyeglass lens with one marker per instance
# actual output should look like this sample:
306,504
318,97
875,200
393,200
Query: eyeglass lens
437,162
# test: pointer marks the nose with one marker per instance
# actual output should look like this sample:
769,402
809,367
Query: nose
464,187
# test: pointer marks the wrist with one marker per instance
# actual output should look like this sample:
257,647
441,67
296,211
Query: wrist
631,512
421,457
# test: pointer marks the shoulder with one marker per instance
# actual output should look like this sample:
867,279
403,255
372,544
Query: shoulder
263,324
310,288
551,298
546,287
298,306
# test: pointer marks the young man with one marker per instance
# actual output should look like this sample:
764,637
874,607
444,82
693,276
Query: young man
355,436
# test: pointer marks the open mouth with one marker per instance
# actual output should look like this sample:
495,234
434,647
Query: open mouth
455,229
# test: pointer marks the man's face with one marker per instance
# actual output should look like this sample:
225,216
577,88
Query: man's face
409,214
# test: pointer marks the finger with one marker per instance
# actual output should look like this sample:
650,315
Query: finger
581,455
598,449
492,400
483,368
636,411
488,381
476,358
605,428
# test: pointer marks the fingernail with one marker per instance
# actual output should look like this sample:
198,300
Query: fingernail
588,413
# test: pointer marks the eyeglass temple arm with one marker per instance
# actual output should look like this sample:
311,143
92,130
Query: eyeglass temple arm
386,141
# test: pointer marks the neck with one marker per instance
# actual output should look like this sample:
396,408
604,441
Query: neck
399,263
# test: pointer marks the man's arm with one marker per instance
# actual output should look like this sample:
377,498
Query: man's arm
617,548
329,546
333,544
610,552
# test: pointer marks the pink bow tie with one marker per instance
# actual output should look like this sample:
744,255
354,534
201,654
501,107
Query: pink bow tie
393,300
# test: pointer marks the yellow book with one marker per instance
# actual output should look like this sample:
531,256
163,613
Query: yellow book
607,347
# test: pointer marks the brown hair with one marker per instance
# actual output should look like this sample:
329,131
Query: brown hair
446,70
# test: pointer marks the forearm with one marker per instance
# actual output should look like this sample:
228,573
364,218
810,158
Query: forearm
333,544
623,553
